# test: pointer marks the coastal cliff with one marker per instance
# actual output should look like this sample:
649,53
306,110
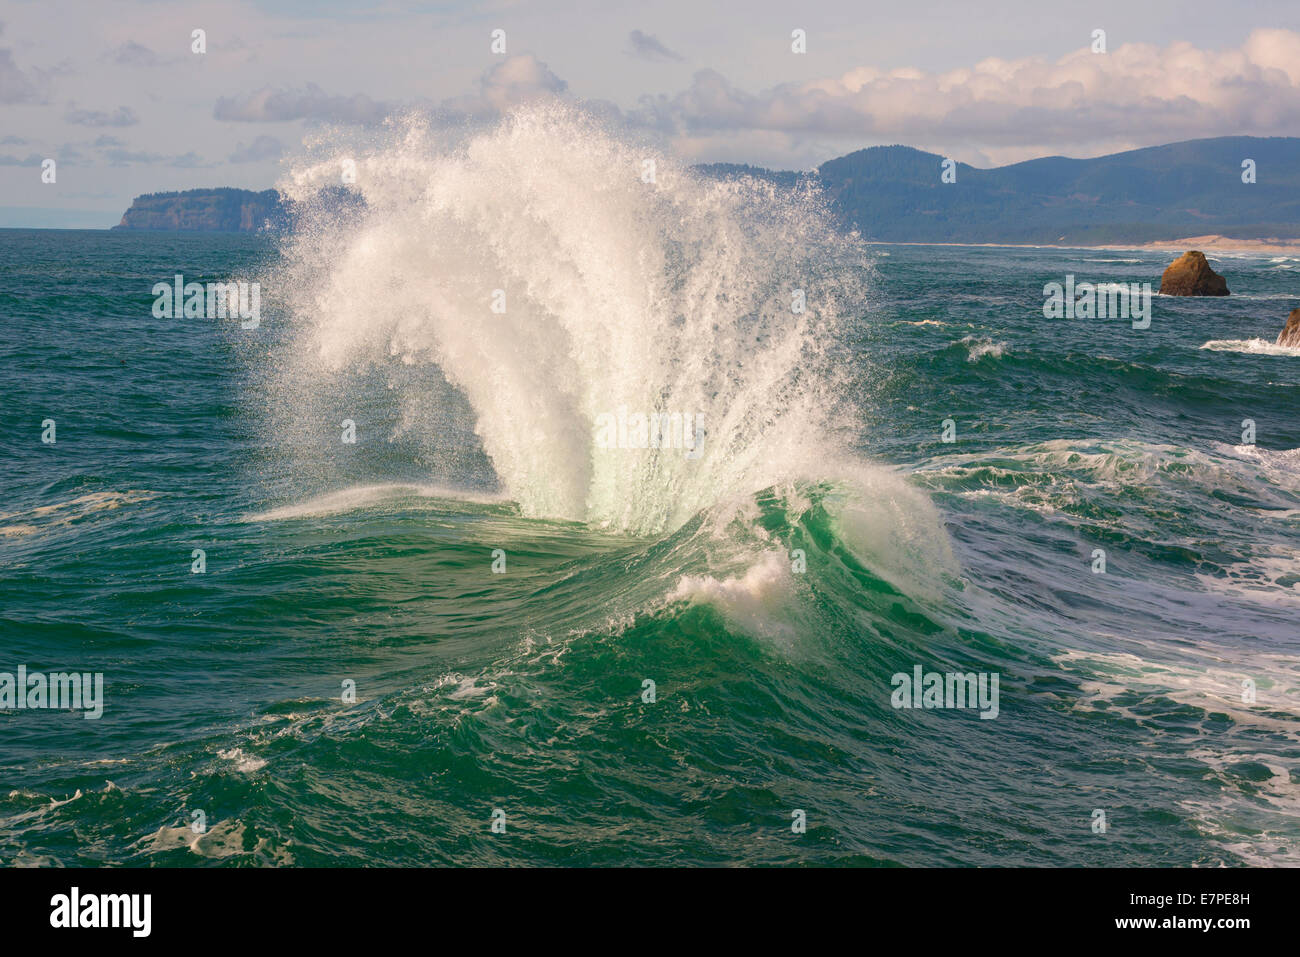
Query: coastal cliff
224,210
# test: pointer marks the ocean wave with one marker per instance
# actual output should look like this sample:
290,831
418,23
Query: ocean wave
369,496
1092,486
748,558
1254,770
686,295
1269,575
1266,296
1280,460
222,840
45,518
244,763
1261,347
977,348
756,600
1121,462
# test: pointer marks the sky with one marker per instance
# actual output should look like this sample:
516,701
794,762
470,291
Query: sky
115,93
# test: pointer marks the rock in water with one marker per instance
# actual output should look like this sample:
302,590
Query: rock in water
223,210
1191,275
1290,334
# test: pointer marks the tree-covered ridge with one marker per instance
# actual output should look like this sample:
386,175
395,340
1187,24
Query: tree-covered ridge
895,193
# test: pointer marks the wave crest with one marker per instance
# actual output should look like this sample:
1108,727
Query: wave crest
555,274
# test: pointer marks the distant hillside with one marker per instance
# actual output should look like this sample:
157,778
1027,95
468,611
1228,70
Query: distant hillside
223,210
894,193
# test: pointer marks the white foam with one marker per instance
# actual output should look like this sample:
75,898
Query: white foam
675,295
1255,346
1279,466
978,348
221,839
367,496
61,514
756,600
889,527
244,763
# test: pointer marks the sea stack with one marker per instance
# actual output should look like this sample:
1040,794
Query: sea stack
1191,275
1290,334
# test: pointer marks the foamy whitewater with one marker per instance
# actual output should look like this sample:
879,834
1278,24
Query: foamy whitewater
406,553
611,293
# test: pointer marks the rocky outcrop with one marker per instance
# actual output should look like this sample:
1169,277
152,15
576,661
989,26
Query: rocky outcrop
223,210
1191,275
1290,334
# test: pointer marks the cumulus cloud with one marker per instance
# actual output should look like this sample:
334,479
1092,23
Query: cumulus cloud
516,80
16,86
135,54
118,156
507,83
269,105
262,148
20,86
122,116
123,157
519,79
1137,94
190,160
649,47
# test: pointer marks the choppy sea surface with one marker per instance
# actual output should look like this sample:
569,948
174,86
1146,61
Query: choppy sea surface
505,592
